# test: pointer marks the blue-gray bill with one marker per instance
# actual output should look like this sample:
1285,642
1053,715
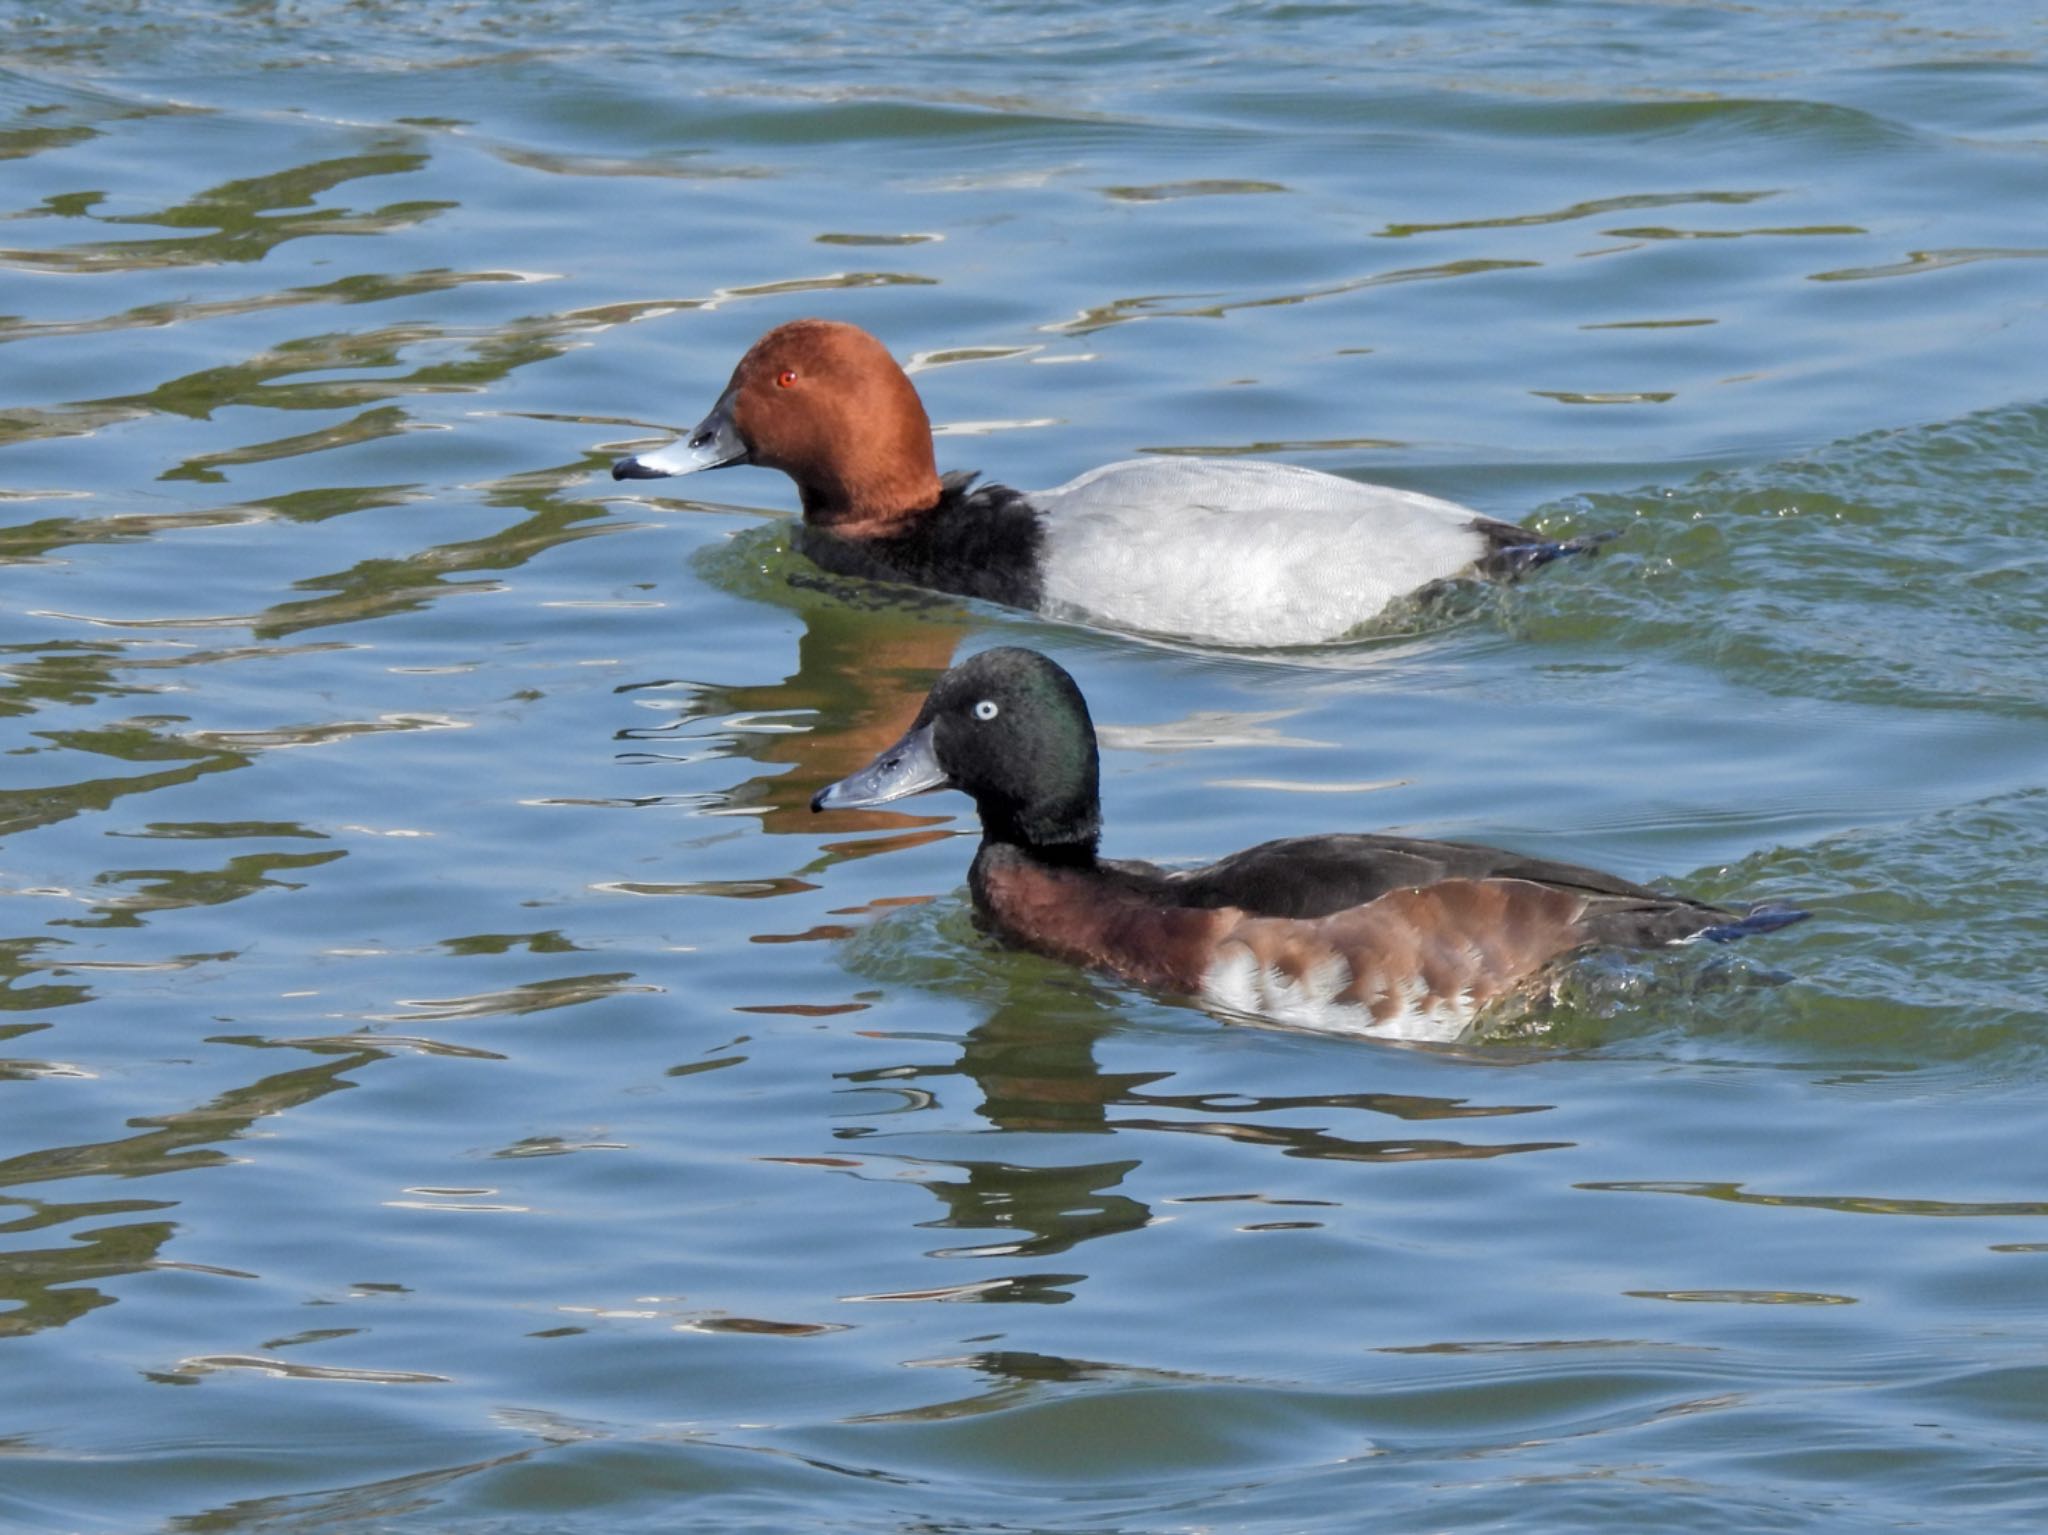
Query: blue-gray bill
909,767
713,444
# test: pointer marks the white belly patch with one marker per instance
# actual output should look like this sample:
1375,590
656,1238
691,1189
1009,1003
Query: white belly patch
1239,982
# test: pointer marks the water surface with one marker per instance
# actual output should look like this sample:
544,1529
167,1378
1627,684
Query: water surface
451,1082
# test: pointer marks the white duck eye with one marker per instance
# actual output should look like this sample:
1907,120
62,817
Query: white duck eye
986,710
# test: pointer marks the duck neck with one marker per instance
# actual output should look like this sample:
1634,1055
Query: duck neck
878,503
1080,854
1063,838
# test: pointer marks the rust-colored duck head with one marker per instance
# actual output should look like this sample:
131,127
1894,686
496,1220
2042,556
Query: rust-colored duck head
826,404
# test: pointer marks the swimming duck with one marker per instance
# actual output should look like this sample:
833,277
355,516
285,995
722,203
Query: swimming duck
1220,551
1394,937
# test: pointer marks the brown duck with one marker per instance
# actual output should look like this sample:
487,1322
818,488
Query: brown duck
1396,937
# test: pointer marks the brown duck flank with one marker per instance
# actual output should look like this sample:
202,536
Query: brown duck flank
1460,944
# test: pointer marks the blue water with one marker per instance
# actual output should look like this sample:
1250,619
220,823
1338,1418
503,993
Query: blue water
450,1081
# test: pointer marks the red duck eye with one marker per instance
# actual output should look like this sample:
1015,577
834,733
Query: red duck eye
785,378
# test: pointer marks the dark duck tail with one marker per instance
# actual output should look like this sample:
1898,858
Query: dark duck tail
1513,551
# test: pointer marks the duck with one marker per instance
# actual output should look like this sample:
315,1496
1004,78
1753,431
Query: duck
1226,552
1367,934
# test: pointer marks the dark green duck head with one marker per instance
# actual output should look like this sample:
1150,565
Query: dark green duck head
1009,729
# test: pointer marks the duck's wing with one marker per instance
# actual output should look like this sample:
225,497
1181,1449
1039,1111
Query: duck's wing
1316,876
1421,962
1414,963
